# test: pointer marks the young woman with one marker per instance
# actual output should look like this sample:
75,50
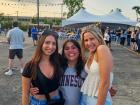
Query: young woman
74,75
42,71
106,37
133,40
95,89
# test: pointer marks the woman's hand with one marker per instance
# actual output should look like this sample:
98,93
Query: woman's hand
34,91
113,90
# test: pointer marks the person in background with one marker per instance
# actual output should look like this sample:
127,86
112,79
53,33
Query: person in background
118,35
138,40
34,32
128,37
110,39
106,37
78,33
29,32
95,89
133,40
42,71
16,39
122,39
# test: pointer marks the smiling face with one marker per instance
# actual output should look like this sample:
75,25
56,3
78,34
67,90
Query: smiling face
71,52
49,45
90,42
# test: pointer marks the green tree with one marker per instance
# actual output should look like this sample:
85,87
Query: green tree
1,17
73,6
7,25
5,21
137,9
48,21
57,21
34,20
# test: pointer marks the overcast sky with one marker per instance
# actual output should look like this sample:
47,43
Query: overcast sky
97,7
101,7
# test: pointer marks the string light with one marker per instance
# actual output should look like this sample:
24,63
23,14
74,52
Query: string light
41,4
22,5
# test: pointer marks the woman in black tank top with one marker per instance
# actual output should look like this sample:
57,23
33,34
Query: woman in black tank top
42,71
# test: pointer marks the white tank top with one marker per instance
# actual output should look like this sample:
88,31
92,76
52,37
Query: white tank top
91,83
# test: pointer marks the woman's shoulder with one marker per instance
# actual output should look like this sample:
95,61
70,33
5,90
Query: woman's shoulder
102,48
27,70
28,64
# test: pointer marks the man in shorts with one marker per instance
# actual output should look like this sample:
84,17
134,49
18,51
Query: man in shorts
15,38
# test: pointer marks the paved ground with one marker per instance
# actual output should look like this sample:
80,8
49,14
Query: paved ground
126,71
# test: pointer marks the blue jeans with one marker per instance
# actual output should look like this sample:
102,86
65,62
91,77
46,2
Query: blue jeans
86,100
118,39
139,45
128,40
34,101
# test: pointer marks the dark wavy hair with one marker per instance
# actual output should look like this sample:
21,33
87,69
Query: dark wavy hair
80,64
54,58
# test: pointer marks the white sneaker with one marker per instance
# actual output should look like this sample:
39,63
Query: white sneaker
21,70
10,72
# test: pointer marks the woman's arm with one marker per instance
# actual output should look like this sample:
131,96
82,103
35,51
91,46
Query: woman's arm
105,62
26,82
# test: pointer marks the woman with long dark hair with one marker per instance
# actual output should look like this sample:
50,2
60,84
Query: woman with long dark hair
42,71
74,75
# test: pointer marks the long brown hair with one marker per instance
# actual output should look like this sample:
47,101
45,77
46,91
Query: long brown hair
54,58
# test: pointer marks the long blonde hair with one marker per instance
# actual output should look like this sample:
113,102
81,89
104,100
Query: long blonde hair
95,33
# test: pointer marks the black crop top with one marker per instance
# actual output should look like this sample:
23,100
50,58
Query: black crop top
44,84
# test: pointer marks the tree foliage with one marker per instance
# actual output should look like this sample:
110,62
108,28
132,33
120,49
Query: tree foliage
137,9
73,6
1,17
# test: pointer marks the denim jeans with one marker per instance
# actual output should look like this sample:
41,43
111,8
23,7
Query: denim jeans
34,101
118,39
86,100
128,40
139,45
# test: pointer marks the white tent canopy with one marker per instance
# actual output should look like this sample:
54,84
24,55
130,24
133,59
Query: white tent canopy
117,17
82,16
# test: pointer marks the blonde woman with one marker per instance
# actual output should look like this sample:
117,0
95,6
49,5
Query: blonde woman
95,89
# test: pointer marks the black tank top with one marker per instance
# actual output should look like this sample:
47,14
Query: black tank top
44,84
